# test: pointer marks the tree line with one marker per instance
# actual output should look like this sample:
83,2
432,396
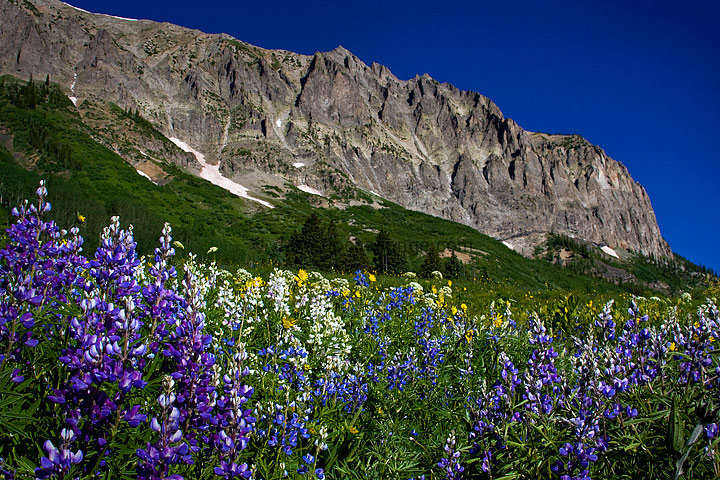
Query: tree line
318,244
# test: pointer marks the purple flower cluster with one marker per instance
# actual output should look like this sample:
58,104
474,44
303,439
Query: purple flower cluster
492,412
451,463
543,384
105,321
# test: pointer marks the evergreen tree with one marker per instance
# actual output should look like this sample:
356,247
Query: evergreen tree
388,257
31,93
431,262
453,266
356,258
330,255
304,244
315,245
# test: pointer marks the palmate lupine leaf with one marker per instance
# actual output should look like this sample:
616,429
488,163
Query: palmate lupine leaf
17,410
676,426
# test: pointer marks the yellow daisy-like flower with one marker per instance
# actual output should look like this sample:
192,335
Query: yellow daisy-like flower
301,277
371,278
354,430
463,307
449,283
497,323
469,335
357,293
672,347
81,218
288,322
454,310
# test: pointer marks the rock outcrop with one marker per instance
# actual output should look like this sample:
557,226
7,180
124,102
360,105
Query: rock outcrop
329,121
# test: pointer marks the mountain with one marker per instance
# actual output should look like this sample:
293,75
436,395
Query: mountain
255,120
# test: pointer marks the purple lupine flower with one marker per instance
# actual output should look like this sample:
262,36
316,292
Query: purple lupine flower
187,347
59,461
361,279
234,422
170,448
451,463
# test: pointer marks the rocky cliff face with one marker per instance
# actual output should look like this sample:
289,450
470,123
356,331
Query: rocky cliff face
329,121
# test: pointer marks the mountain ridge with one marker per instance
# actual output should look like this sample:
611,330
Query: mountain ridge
258,113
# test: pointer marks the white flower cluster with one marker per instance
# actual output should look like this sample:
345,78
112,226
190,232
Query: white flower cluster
278,290
330,341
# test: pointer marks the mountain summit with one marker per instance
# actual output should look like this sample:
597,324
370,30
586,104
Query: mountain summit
326,123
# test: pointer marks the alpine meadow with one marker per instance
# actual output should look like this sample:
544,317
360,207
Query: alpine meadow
224,261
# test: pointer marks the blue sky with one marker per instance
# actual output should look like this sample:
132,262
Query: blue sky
640,79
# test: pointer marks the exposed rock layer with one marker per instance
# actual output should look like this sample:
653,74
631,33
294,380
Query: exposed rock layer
425,145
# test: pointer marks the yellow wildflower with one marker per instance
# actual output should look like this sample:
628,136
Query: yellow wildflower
354,430
672,347
463,307
454,310
449,283
301,277
81,218
469,335
371,278
357,293
288,322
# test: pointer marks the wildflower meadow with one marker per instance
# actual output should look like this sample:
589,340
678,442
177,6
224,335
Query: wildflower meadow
116,366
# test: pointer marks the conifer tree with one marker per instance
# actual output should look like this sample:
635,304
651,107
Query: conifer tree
330,253
453,266
388,257
356,258
431,262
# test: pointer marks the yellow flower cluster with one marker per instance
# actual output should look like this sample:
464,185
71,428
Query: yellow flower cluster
301,277
288,322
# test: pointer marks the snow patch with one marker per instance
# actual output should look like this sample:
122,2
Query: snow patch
308,189
278,122
76,8
212,174
91,13
609,251
121,18
508,244
144,175
142,153
298,165
72,97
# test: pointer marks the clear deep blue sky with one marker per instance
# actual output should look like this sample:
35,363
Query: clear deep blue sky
641,79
